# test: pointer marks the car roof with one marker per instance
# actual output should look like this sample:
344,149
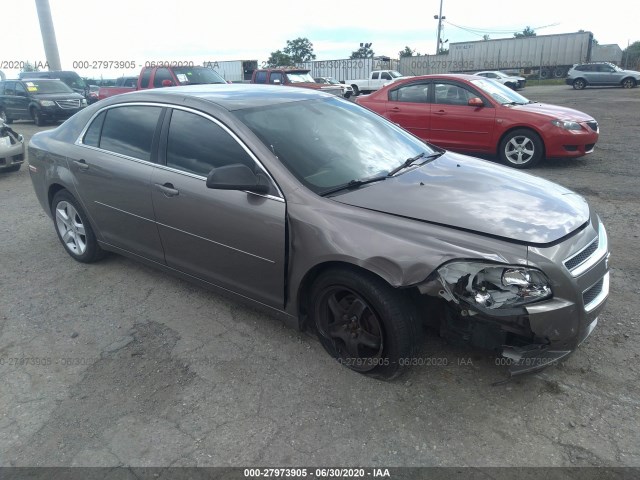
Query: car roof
441,76
34,79
234,96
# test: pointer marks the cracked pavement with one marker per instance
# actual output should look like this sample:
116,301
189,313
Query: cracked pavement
117,364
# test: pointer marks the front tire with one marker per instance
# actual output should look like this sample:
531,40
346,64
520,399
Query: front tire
579,84
628,83
74,230
363,323
521,148
37,118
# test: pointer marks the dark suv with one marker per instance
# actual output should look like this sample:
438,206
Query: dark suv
601,74
38,100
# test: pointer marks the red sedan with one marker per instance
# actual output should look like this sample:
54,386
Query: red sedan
473,114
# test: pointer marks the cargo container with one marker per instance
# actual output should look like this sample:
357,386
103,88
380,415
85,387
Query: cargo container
234,70
546,55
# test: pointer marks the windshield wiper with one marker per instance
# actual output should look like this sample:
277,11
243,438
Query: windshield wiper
353,184
356,183
409,161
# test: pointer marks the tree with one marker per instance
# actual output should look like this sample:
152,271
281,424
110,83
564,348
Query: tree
300,50
407,52
631,56
527,32
279,59
485,37
363,52
28,67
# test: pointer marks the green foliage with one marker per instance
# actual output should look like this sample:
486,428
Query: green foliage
297,51
527,32
631,56
364,51
300,50
279,59
28,67
485,37
407,52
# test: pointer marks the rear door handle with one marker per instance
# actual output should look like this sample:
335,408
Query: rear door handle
440,112
81,164
167,190
395,109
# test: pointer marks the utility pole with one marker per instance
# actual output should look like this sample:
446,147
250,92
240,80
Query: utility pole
48,35
439,18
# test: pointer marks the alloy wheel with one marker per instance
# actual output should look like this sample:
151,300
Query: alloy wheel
71,228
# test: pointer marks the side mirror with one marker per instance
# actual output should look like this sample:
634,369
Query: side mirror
167,83
475,102
237,177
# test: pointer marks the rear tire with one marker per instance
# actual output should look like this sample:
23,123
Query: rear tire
73,229
3,116
521,148
363,323
356,90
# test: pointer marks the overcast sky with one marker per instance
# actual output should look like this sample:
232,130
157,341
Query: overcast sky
190,30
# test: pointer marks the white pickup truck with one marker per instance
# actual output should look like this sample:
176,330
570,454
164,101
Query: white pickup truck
377,79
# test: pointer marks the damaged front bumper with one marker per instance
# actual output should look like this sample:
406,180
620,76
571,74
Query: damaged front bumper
536,317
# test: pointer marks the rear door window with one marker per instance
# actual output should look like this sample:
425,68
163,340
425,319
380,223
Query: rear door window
162,74
261,77
129,130
275,77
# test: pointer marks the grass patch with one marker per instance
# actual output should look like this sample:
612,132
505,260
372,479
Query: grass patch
543,82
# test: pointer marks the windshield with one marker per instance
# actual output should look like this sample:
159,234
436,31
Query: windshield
47,86
499,92
331,142
300,77
395,74
197,75
77,83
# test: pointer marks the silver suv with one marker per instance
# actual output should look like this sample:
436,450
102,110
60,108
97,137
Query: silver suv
601,74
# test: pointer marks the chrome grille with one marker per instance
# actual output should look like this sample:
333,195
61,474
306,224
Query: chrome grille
587,257
597,293
581,256
590,294
68,103
593,125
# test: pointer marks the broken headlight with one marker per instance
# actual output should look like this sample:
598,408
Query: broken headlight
492,286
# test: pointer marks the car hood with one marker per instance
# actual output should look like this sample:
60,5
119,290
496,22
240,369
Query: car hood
554,111
632,73
477,195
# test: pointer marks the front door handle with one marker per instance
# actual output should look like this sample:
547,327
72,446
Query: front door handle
167,190
440,112
81,164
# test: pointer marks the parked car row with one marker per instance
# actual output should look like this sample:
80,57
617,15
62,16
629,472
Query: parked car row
336,219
